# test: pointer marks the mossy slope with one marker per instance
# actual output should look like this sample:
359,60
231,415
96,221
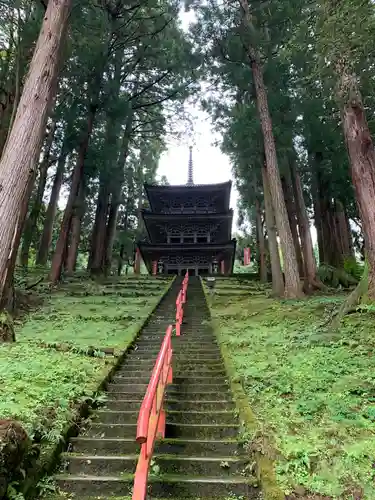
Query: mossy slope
313,391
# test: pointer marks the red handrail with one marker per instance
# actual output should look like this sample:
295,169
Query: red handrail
152,418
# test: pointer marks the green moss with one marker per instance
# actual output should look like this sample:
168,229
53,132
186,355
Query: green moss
312,390
40,386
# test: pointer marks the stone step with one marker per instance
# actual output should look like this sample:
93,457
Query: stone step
178,371
173,430
172,404
104,465
196,447
171,487
107,416
185,388
216,378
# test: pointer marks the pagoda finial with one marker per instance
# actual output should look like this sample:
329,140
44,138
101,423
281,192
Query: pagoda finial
190,181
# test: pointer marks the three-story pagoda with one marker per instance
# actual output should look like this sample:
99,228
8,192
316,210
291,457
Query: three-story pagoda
189,228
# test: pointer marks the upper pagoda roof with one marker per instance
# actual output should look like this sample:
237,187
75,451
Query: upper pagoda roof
217,194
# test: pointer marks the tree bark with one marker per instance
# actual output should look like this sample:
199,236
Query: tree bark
261,243
99,230
46,238
362,162
293,218
311,279
277,275
37,202
118,182
58,257
293,287
24,142
78,212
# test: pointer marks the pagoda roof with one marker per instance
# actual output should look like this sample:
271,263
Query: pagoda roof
188,187
154,191
155,223
151,251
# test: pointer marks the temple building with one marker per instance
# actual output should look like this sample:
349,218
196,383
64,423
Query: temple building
189,228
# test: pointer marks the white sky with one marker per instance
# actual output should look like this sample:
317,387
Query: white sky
209,163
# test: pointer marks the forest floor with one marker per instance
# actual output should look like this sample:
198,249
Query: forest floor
59,357
311,389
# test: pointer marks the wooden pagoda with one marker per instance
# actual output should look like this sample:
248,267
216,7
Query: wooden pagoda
188,228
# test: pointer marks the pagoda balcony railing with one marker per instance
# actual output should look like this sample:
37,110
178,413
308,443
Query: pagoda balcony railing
189,210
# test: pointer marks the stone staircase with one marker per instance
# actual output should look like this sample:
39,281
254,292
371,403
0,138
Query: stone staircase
201,457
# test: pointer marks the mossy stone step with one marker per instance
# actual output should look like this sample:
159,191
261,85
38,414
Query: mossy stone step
187,377
188,405
162,487
193,447
173,430
103,465
173,416
185,388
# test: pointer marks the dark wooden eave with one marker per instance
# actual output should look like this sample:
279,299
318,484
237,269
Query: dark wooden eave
151,219
151,251
154,191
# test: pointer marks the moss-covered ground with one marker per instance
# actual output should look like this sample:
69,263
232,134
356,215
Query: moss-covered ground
312,389
58,360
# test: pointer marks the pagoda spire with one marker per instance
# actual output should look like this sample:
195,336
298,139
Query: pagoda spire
190,181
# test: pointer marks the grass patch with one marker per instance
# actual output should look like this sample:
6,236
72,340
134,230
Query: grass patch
312,390
39,385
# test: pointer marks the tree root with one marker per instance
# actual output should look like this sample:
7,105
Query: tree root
7,333
354,299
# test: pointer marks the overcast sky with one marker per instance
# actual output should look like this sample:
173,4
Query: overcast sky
209,163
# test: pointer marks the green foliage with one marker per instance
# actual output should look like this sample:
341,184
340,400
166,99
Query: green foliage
311,390
47,370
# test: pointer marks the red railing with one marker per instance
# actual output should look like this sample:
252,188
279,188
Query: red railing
152,417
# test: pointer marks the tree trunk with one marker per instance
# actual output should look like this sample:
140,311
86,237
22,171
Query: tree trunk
100,226
37,202
261,244
78,212
343,228
7,298
277,276
315,161
24,142
118,182
292,217
293,287
311,279
46,238
58,257
362,161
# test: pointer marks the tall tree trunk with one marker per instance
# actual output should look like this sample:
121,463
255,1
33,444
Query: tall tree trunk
46,238
78,212
343,228
37,202
23,146
315,161
117,182
292,217
58,257
277,276
362,161
293,287
100,227
7,298
311,279
261,243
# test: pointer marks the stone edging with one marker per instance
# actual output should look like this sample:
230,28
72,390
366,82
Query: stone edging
265,466
49,454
